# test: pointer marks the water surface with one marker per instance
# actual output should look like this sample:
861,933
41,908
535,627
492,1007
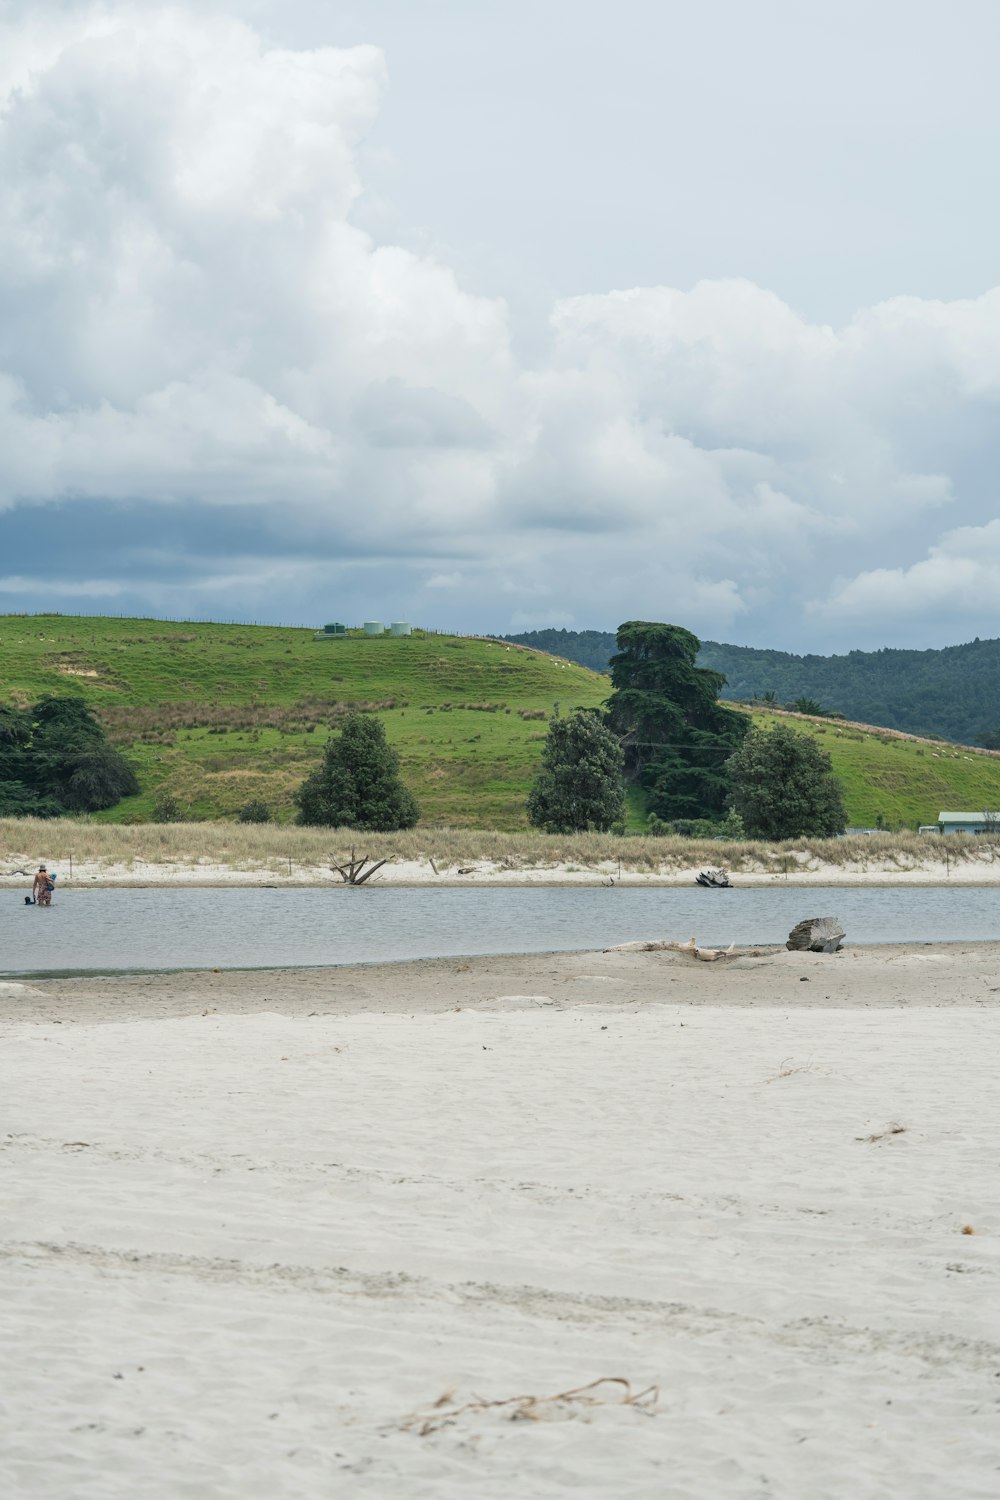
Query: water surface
113,930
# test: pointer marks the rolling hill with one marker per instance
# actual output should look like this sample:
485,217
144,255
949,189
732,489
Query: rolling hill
219,714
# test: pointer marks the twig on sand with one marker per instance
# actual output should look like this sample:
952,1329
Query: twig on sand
882,1135
529,1408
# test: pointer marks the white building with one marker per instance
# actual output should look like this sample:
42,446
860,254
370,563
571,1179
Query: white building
969,822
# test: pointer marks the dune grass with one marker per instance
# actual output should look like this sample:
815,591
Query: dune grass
248,846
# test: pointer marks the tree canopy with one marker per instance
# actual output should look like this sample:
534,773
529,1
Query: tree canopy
675,734
357,785
782,785
55,758
580,785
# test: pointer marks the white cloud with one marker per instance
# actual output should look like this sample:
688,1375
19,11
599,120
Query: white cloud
189,312
959,577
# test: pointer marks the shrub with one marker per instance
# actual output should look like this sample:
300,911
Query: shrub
254,811
167,809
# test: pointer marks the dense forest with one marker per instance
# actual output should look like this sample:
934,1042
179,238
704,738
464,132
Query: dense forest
953,692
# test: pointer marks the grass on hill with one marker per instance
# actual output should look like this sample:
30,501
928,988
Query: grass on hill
895,780
217,715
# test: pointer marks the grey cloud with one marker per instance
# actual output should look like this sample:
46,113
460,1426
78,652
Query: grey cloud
203,353
392,414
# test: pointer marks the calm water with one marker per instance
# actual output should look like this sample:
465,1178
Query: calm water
108,930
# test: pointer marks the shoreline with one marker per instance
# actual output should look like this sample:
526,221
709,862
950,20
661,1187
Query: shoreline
205,875
11,979
628,979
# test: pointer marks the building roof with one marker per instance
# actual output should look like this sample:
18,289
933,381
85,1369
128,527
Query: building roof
967,817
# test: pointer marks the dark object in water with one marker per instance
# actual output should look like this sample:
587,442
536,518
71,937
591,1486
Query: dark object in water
29,900
717,880
816,935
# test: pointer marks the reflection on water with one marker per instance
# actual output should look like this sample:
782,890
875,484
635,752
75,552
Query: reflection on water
108,930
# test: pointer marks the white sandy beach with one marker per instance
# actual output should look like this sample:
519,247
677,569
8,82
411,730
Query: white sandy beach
803,870
257,1225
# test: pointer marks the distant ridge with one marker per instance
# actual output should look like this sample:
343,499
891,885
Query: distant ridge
953,692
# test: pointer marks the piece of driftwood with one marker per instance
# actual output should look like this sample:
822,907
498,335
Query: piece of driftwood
353,871
716,879
816,935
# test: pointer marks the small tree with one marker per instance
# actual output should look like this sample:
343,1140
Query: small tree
782,785
357,785
580,785
254,811
166,808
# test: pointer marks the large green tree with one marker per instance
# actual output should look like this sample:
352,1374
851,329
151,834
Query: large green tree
580,785
357,785
675,734
55,758
783,786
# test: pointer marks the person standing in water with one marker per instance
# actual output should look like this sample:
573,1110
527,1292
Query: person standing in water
42,887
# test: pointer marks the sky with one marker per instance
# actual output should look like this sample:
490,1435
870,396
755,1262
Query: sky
496,316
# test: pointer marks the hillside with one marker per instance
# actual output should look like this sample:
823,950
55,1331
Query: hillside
953,693
896,780
219,714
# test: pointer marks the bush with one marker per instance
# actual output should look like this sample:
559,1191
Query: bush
254,811
167,809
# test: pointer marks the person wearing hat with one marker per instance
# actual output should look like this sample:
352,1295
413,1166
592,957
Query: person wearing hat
43,887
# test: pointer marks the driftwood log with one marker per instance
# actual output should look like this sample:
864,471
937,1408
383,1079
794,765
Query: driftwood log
816,935
354,871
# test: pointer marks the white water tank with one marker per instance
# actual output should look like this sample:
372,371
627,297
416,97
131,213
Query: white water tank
400,627
374,627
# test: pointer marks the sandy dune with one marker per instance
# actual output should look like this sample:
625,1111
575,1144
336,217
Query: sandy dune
257,1225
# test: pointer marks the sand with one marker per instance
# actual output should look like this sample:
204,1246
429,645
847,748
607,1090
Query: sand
257,1225
803,870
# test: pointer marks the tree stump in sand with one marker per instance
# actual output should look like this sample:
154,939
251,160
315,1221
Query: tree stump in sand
816,935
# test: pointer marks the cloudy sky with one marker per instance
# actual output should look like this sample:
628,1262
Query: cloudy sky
498,315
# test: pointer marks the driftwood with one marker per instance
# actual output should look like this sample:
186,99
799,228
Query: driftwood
353,872
816,935
717,879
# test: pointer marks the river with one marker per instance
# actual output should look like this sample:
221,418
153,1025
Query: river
107,931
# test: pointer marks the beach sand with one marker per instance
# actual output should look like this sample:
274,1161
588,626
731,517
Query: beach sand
976,869
289,1234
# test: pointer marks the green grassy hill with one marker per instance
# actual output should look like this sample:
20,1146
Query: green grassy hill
220,714
903,781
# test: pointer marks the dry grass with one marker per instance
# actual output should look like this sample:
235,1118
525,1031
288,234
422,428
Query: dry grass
883,1135
249,845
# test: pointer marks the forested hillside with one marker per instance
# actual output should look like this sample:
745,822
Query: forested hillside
953,692
591,648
